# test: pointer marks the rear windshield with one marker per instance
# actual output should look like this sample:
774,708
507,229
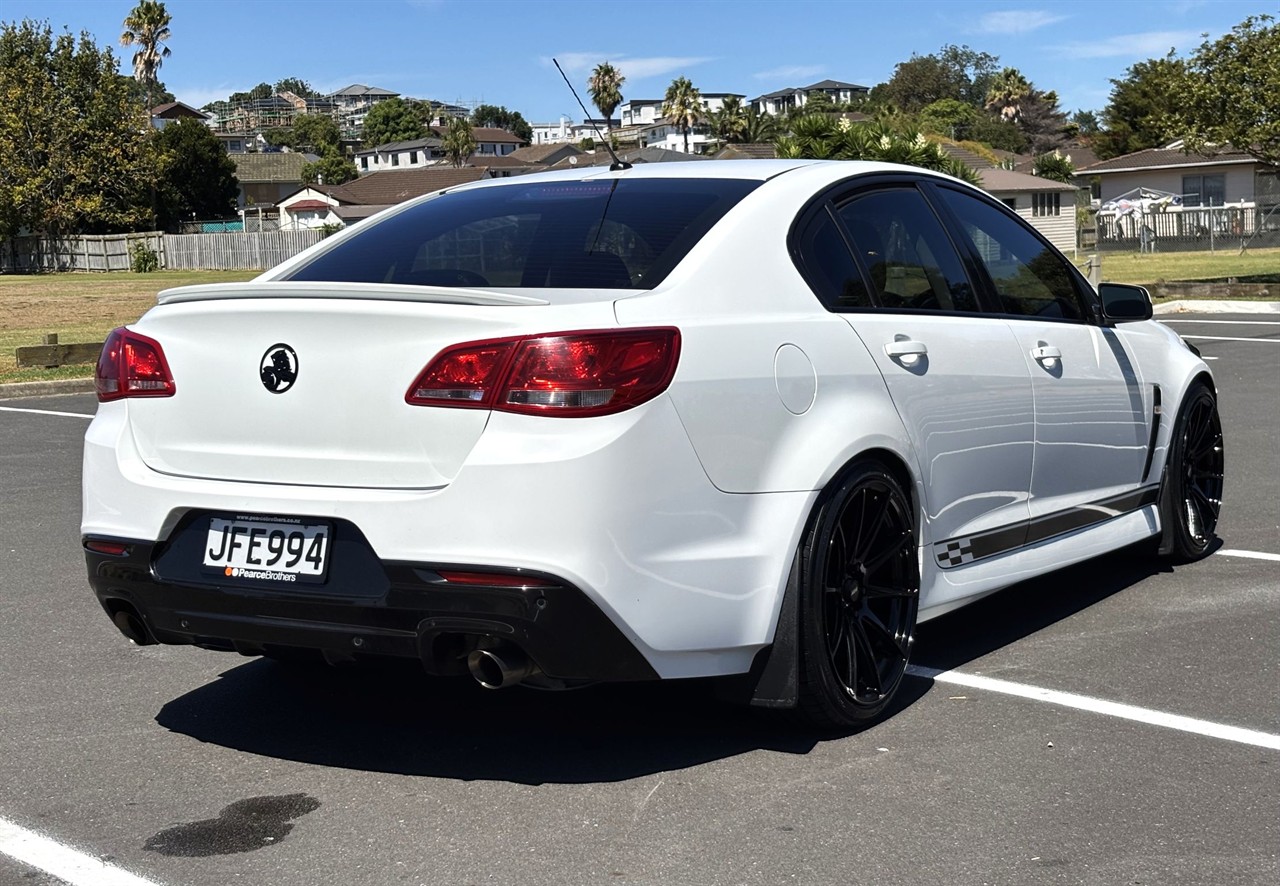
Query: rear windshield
603,234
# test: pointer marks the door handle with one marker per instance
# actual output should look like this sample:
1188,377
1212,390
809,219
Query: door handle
905,348
1046,353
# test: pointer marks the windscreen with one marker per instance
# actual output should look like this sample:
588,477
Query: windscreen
601,234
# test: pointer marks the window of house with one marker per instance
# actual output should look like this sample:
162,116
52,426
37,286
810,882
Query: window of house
906,252
364,162
1011,202
1204,190
1031,279
395,159
413,158
1046,203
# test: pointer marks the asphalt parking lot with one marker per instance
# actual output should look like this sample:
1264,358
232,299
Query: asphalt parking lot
1158,763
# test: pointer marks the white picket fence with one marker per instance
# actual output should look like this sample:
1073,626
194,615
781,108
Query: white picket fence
110,252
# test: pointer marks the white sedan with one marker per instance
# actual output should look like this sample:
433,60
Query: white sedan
751,418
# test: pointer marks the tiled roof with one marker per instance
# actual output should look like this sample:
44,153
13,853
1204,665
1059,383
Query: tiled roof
304,205
965,156
763,151
177,109
396,186
493,160
494,135
361,89
540,153
832,84
273,167
415,144
1162,158
1005,181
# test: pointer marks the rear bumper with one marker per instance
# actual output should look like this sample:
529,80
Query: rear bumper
398,609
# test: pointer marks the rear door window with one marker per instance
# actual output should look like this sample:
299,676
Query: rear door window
907,254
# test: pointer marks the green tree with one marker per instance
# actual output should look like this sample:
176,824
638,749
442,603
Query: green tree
314,132
1008,90
1142,108
147,27
73,140
1056,166
298,87
1042,122
1231,93
197,178
459,141
824,137
950,117
730,122
758,128
392,120
148,95
955,72
331,169
605,87
500,118
682,105
1087,123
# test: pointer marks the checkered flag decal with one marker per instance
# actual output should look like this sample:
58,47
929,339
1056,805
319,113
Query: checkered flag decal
954,553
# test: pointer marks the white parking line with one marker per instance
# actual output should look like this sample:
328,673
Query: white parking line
67,864
45,412
1099,706
1228,338
1252,555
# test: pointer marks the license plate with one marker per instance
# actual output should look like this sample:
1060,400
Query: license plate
272,550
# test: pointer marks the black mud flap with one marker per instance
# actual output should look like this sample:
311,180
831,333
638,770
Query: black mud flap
776,670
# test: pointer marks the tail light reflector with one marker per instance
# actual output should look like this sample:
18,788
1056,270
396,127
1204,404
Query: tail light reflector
564,374
132,365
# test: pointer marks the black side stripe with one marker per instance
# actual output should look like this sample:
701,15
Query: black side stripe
967,549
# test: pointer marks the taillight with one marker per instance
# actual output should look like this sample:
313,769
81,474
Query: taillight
565,374
132,365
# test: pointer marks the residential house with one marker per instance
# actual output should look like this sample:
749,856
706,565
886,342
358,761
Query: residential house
544,154
353,102
1170,198
313,206
552,133
640,111
163,115
498,142
792,98
414,154
267,178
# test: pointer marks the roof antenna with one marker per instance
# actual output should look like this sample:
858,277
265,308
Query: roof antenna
617,164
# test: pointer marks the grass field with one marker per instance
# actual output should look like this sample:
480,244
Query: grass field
80,308
85,307
1256,265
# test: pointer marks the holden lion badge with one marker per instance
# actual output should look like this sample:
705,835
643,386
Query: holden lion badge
279,368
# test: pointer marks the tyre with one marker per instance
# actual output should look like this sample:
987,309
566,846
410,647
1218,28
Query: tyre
859,594
1192,496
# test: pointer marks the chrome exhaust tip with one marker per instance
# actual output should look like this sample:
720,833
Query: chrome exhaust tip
500,667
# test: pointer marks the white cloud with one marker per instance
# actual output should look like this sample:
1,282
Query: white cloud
790,72
633,68
1145,45
1017,21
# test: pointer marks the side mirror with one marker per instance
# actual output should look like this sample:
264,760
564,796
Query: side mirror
1124,303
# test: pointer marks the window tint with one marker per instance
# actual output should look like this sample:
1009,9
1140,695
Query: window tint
911,262
830,266
1030,278
610,234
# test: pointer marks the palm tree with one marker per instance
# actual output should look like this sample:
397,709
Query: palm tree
459,141
729,122
683,106
758,128
1008,90
147,27
605,86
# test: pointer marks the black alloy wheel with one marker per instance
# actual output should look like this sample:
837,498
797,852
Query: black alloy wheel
1192,499
860,596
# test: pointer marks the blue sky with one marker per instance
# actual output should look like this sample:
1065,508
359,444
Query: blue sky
499,51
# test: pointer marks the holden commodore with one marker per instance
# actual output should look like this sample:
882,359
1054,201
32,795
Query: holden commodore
752,418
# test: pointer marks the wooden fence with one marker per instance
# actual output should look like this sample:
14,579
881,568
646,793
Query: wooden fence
110,252
84,252
232,252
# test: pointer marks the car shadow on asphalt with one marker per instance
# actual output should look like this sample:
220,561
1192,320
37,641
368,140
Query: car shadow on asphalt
392,718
